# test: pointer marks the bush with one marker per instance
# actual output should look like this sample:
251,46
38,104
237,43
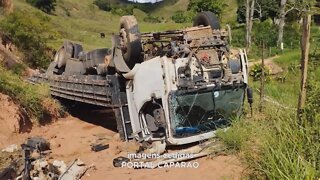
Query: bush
46,6
151,19
265,32
122,10
103,5
30,34
238,36
179,17
292,35
204,5
256,71
30,97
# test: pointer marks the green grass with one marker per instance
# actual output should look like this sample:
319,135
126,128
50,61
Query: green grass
286,59
81,21
86,21
273,143
229,14
35,99
285,92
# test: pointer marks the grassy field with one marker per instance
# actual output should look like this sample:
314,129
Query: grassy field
285,92
81,21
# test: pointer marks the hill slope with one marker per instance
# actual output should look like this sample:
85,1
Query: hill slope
81,21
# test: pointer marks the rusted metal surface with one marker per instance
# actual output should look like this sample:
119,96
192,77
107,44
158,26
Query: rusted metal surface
91,89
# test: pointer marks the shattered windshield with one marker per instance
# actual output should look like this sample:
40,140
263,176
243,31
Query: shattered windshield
199,112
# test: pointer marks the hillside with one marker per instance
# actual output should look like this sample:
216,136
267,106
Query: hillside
81,21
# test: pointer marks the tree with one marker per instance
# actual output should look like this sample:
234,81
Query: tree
305,46
296,6
46,6
204,5
282,15
179,17
103,5
264,9
249,21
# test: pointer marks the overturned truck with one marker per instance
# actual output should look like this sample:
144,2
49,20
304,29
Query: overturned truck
166,88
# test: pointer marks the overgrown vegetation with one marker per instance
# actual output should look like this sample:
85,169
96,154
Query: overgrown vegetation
47,6
30,34
275,144
35,99
103,5
204,5
256,71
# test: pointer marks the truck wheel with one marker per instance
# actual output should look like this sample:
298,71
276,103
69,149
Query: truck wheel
234,65
207,18
64,53
130,40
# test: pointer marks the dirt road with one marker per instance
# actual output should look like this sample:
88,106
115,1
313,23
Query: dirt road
71,137
270,64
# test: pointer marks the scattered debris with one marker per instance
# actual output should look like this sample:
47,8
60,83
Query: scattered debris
99,147
13,170
62,167
11,148
34,163
75,171
43,170
117,162
194,152
37,143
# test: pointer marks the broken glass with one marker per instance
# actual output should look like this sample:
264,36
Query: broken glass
198,112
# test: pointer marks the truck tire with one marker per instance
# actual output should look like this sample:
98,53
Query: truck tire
207,18
234,65
64,53
130,40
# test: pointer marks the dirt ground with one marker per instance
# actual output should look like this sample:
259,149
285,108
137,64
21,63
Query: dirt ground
270,64
72,136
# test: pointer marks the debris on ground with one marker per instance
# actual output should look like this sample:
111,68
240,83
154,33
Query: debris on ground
117,162
34,163
75,171
204,149
38,143
99,147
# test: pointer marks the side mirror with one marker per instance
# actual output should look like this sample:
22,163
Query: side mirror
250,98
250,95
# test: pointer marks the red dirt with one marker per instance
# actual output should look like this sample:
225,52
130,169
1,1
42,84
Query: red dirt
71,137
11,119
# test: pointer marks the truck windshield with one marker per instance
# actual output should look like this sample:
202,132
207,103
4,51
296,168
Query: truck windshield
199,112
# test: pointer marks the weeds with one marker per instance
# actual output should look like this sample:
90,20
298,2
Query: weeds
34,98
276,145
